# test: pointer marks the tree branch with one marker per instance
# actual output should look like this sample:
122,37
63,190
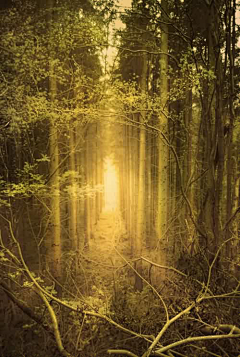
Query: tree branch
24,307
57,335
231,218
197,338
121,352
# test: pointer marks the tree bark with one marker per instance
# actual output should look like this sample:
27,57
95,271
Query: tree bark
163,150
55,251
140,228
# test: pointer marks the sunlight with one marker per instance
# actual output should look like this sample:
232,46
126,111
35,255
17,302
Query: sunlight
110,185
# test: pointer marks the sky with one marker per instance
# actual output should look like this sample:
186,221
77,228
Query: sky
111,51
123,4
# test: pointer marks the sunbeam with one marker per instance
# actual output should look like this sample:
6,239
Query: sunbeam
110,185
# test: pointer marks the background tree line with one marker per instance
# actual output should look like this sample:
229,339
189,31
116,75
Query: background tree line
182,58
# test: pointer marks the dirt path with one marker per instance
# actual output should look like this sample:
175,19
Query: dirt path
109,237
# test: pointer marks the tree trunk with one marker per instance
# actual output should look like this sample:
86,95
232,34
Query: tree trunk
88,168
140,228
54,165
163,150
73,192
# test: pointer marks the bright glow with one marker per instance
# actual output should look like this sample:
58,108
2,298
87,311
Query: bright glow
110,185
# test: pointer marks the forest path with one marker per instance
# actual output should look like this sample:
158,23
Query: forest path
109,238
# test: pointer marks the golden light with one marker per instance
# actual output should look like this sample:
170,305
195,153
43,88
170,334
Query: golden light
111,193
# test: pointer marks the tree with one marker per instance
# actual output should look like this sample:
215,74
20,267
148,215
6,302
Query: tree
52,89
56,246
163,154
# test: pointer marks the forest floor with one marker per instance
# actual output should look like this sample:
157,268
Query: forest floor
108,248
104,284
108,259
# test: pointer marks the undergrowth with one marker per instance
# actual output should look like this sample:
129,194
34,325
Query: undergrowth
140,312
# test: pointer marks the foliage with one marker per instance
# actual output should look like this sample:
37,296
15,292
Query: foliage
25,60
25,104
30,183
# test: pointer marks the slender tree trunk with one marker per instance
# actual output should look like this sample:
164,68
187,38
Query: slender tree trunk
79,164
148,190
213,126
55,196
54,165
163,150
98,168
87,198
154,191
188,169
231,165
73,191
140,228
131,193
135,175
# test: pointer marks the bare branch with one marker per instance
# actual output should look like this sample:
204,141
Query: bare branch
121,352
23,306
197,338
147,51
165,327
231,218
212,265
54,325
152,287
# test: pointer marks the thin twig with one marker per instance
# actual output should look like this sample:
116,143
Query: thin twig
152,287
121,352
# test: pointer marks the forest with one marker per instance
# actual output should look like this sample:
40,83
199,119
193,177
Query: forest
119,178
